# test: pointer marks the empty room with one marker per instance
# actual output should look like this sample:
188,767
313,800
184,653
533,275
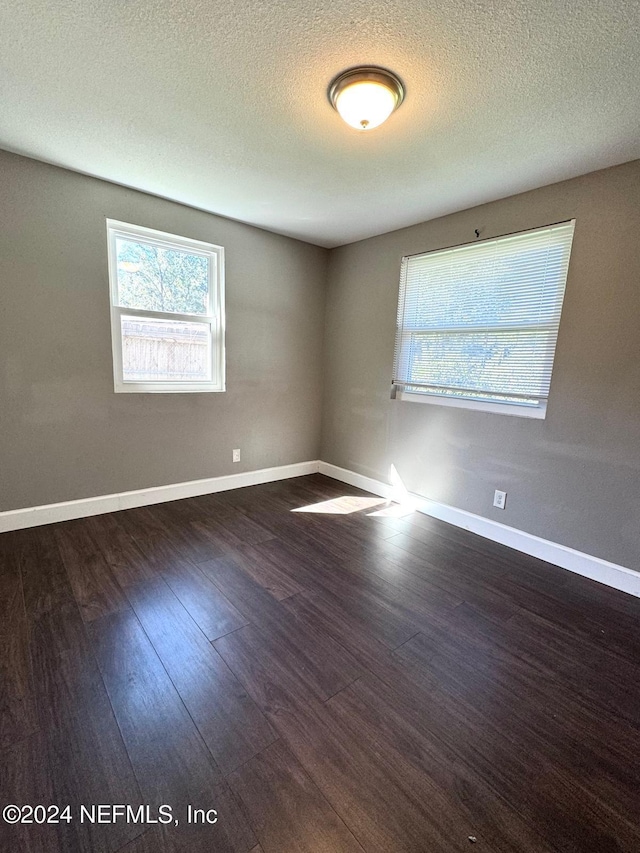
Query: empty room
320,426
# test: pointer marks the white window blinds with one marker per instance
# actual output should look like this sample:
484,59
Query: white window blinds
480,321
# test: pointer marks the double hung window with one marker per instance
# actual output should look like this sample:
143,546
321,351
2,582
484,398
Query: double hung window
167,311
477,324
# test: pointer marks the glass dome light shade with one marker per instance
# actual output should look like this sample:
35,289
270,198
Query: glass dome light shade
366,97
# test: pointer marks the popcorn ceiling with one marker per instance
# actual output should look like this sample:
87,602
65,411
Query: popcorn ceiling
223,105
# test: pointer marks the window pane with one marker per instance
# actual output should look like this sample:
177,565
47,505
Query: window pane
511,286
154,278
502,363
481,320
165,350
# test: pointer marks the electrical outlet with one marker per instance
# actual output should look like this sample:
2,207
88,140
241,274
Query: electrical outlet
236,455
499,499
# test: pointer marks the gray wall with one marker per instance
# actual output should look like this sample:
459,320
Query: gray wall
572,478
64,434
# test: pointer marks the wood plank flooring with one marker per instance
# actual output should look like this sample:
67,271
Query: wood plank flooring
326,675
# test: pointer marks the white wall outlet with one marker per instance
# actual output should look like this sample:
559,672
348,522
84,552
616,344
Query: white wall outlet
236,455
499,499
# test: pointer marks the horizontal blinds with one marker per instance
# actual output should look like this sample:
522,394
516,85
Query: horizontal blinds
481,320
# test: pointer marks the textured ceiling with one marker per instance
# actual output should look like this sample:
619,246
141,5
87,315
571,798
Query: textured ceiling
222,105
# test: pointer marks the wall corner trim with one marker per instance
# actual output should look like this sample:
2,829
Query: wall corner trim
17,519
610,574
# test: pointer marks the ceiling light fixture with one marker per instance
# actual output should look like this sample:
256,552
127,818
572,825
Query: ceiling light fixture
365,97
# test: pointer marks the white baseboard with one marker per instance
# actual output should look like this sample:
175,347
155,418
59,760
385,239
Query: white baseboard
17,519
385,490
611,574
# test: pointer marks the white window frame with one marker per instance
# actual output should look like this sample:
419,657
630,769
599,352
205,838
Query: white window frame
214,317
538,410
525,409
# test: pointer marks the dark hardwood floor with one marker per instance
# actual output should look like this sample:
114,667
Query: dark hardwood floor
328,676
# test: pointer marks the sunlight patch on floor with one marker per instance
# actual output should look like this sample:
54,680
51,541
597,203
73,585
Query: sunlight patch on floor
342,506
399,504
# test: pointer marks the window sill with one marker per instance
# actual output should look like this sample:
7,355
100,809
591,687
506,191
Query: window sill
537,412
160,388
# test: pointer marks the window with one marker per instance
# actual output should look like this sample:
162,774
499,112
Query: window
167,311
478,324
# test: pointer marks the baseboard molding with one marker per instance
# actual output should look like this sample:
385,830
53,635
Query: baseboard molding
611,574
17,519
